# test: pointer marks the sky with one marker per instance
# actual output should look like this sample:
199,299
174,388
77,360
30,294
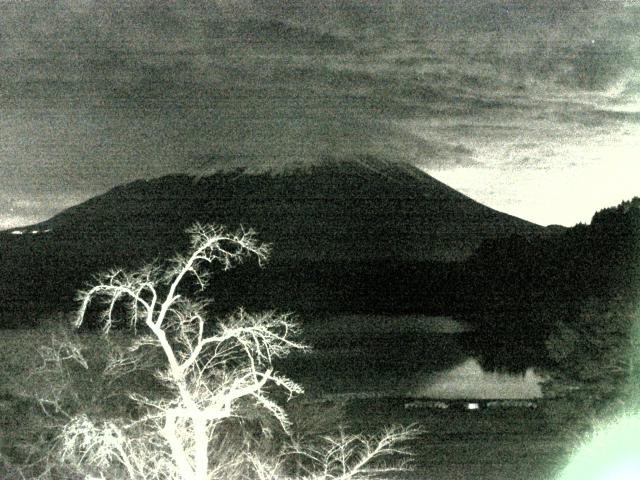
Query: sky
531,107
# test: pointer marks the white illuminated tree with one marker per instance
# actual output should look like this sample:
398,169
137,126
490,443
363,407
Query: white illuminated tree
210,374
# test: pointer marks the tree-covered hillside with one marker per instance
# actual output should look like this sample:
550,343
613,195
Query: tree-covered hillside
568,302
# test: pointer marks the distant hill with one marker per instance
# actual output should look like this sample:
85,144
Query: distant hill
337,211
517,289
599,260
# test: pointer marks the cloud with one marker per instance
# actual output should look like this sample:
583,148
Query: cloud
19,209
96,93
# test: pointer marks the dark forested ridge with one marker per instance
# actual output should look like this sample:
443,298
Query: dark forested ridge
599,259
521,290
502,286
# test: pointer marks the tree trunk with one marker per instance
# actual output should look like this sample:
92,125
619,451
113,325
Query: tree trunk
201,451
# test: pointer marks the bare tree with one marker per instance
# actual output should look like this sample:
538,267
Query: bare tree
210,374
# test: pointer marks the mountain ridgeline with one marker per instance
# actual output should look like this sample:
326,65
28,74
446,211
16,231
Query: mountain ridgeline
342,232
335,210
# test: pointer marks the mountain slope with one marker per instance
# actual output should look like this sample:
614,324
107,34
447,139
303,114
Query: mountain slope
360,210
339,209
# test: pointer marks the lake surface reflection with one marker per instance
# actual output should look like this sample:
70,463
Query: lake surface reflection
407,355
470,380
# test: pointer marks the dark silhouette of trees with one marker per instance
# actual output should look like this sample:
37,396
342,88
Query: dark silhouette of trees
519,289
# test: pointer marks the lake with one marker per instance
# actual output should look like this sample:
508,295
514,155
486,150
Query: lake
371,361
399,355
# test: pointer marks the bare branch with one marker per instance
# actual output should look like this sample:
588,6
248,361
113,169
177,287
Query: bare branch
210,375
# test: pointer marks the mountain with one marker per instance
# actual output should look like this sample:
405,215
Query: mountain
352,209
338,212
